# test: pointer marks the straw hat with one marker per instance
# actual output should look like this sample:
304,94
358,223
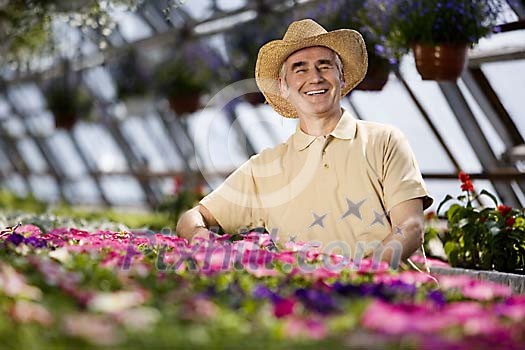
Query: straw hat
347,43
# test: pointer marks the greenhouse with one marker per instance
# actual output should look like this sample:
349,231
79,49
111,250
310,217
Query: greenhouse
262,174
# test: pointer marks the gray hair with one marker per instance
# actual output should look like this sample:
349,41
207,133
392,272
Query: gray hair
338,64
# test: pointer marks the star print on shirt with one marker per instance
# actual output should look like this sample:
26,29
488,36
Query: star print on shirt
398,231
353,208
291,239
318,220
378,218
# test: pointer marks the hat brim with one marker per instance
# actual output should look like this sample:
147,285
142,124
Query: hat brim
347,43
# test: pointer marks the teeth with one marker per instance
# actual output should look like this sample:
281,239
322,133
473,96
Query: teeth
316,92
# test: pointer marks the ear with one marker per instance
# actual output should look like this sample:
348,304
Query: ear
283,89
342,80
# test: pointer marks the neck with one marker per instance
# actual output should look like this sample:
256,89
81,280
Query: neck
320,125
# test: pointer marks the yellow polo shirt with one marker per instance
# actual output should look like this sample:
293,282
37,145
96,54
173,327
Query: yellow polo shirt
334,188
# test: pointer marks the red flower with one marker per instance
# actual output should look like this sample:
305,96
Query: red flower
467,186
466,183
510,221
504,210
463,176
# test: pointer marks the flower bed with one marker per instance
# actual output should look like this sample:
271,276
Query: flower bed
69,288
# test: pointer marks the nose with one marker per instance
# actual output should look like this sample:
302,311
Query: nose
315,76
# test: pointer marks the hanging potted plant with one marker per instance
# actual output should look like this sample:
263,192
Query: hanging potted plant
186,74
440,32
68,102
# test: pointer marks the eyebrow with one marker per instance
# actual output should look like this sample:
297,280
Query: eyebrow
303,63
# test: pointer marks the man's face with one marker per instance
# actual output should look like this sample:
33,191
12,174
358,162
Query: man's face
313,82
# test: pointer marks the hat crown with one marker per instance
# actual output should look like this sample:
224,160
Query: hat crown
303,29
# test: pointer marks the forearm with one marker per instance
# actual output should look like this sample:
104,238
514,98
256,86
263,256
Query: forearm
190,223
402,242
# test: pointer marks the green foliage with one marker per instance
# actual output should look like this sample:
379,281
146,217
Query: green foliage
10,201
485,238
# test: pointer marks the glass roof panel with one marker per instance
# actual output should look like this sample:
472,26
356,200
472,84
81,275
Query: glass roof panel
508,81
122,190
99,147
16,184
435,104
82,190
31,154
217,143
44,188
131,26
165,148
69,160
144,142
100,82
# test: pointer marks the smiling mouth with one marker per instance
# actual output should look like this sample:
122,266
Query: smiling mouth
316,92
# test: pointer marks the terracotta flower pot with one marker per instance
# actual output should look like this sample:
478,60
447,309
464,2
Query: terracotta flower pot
444,62
254,98
64,121
184,104
375,78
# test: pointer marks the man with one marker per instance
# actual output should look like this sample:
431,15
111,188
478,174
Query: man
338,182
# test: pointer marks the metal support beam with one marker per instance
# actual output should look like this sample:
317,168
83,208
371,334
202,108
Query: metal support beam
477,139
486,97
232,119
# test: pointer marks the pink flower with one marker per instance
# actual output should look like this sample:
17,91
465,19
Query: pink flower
474,289
296,327
283,307
26,311
513,308
402,319
29,230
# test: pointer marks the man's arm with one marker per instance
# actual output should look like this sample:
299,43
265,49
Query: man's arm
196,223
407,230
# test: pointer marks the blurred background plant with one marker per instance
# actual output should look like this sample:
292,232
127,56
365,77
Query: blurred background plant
187,73
26,25
68,101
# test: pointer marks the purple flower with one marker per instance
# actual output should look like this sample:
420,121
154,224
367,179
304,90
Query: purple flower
437,297
316,300
15,238
262,292
35,242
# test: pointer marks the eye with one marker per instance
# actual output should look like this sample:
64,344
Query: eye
302,70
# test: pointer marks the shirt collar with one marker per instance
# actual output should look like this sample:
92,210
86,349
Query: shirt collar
345,130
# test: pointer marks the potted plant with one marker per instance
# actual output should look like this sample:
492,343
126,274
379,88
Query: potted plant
68,102
439,32
491,238
186,74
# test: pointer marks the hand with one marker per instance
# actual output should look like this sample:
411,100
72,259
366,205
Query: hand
199,234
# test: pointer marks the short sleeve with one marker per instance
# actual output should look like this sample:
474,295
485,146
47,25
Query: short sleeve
402,178
232,204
